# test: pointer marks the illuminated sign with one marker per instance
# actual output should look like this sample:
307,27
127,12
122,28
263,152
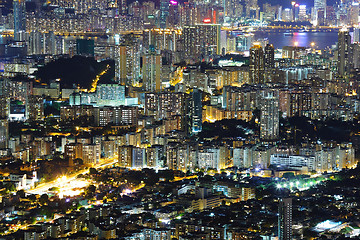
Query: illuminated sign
207,20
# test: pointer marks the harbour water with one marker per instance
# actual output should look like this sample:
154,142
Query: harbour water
320,40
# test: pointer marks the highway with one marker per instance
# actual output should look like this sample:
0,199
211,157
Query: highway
69,180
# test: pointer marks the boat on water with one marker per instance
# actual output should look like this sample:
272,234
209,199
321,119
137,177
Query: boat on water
288,33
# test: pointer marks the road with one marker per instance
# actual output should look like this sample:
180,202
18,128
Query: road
44,187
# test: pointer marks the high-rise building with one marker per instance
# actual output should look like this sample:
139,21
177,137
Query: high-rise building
331,16
154,156
4,133
110,94
4,106
91,154
108,148
269,56
125,156
164,13
287,15
233,9
120,64
127,61
356,55
174,16
49,44
354,13
252,8
122,7
321,17
177,157
201,40
34,45
269,120
285,219
138,157
344,48
151,71
244,42
302,13
196,111
122,115
73,151
164,105
35,108
319,5
19,20
160,39
356,35
148,9
256,64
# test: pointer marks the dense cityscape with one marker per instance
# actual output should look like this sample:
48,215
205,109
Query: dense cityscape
177,120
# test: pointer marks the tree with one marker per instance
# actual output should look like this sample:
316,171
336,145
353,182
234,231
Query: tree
44,199
93,171
10,187
79,162
32,198
289,175
21,193
90,191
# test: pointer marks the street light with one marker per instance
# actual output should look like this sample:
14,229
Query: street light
296,43
312,44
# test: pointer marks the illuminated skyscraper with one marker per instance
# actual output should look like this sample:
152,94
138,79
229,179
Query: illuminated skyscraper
4,133
151,71
256,64
174,14
285,219
120,64
318,6
344,41
201,40
91,154
354,13
19,20
251,8
302,13
35,108
196,111
244,42
34,45
127,60
110,95
269,120
164,13
125,156
4,106
356,55
269,56
148,10
122,7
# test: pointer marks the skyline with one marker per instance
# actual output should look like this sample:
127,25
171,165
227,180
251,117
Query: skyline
180,120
